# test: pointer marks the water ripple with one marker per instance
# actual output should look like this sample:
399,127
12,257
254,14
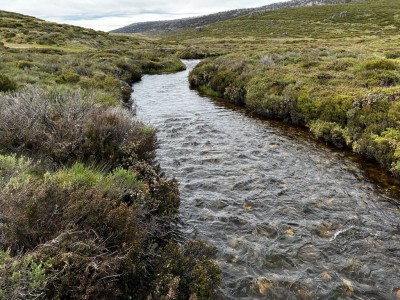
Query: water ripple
291,220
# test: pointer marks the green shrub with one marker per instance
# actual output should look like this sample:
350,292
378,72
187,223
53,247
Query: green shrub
9,35
323,78
382,78
340,65
203,275
202,74
378,147
151,67
6,84
379,64
329,132
68,76
273,97
11,166
316,103
124,179
105,236
371,115
206,90
49,38
23,64
392,54
221,81
112,88
22,277
127,71
192,53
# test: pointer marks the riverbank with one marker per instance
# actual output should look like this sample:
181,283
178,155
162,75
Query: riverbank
85,212
343,99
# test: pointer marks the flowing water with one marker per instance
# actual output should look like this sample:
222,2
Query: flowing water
291,219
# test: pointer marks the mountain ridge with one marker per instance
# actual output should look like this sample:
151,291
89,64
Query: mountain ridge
198,22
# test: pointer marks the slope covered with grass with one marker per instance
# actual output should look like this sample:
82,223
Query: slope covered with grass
84,210
333,69
197,23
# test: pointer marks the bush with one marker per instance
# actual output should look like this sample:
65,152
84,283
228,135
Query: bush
45,125
11,166
382,78
111,136
23,64
329,132
202,74
6,84
106,235
378,147
48,38
273,97
63,128
192,53
379,64
127,71
22,277
202,274
392,54
68,76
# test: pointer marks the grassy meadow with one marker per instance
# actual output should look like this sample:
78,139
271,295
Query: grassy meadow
84,210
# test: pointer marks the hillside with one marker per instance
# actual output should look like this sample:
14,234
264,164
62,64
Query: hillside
199,22
85,212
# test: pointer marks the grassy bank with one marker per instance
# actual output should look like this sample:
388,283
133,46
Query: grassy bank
85,213
342,81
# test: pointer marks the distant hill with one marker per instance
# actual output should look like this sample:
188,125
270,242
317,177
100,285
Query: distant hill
198,22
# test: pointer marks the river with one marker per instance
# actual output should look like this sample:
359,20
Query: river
291,219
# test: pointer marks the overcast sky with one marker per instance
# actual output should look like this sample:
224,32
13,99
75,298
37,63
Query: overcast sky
111,14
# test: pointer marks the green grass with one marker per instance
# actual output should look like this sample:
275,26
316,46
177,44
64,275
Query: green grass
365,25
376,17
